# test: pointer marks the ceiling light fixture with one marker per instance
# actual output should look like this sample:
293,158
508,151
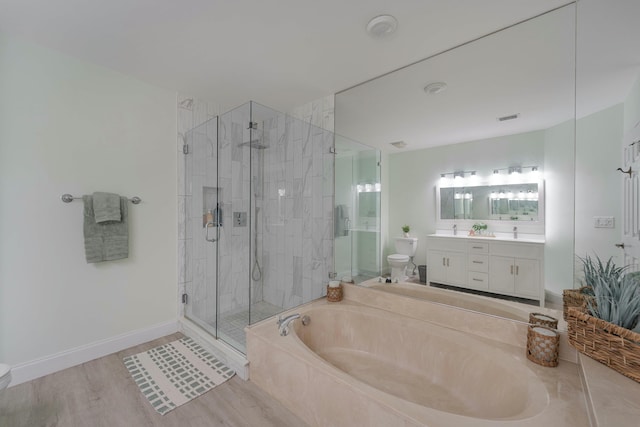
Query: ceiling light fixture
399,144
435,88
382,26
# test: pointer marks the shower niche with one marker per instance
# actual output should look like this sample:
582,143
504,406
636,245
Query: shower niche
258,183
212,215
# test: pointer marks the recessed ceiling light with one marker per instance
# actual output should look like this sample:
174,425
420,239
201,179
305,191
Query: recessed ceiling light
399,144
435,87
382,26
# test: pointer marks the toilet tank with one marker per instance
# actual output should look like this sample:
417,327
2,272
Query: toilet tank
406,245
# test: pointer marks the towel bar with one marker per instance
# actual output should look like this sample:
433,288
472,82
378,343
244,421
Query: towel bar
68,198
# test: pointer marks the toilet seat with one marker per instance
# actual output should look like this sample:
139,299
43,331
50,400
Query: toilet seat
398,258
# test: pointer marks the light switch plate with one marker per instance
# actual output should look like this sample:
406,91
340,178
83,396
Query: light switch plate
604,222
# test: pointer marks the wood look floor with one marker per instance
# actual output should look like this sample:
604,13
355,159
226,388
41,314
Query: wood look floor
102,393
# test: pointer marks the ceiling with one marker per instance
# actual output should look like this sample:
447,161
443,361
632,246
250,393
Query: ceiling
286,53
525,70
282,53
534,70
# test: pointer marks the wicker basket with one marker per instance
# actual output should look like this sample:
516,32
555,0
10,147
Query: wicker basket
574,298
543,319
616,347
334,294
543,345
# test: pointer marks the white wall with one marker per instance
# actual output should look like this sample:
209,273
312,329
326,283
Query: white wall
598,184
559,175
69,126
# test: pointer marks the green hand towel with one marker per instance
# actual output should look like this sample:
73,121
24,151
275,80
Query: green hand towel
105,241
106,207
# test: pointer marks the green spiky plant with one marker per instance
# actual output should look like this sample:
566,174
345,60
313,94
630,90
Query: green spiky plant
595,271
617,300
405,228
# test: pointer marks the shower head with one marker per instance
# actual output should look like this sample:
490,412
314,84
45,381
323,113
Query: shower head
254,144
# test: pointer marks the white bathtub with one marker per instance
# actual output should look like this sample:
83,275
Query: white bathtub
355,365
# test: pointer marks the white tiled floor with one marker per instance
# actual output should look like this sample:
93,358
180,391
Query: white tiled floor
231,325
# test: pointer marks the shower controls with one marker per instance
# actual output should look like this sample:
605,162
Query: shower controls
239,219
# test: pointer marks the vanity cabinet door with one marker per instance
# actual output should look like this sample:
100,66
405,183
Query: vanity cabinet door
527,277
457,268
437,265
449,268
501,274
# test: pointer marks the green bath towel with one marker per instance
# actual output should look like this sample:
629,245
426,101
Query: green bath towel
105,241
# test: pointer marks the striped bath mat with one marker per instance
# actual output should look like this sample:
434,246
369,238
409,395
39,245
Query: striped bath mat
172,374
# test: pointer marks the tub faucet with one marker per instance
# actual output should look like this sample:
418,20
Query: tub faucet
283,323
455,229
515,232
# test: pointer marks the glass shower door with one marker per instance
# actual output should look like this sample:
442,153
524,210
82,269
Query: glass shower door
202,208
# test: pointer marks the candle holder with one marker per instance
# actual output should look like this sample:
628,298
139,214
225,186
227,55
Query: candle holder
542,345
334,294
543,319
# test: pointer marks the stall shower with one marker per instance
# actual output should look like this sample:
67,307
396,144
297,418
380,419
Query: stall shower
259,207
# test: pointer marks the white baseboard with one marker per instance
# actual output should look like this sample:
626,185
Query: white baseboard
37,368
552,297
222,351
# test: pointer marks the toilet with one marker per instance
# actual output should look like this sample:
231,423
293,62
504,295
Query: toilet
406,248
5,376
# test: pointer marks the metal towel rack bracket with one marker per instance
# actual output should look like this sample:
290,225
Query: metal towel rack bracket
68,198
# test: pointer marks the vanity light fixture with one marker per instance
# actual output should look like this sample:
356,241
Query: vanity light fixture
382,26
515,169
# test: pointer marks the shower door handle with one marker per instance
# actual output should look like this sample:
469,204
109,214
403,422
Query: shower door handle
209,226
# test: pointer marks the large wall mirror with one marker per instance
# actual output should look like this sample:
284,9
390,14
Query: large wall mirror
573,120
508,102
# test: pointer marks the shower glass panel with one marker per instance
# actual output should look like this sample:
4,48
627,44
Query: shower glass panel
260,218
203,197
357,210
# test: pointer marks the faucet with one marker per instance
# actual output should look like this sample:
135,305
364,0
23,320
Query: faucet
515,232
283,323
455,229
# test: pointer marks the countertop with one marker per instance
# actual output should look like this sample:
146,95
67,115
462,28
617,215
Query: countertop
499,237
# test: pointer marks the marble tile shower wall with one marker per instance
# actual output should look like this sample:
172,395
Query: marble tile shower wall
297,249
196,265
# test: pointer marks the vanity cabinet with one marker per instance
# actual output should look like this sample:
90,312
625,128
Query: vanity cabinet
447,263
500,267
448,267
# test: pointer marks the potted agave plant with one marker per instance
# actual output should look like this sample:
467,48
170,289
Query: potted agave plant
594,272
405,230
607,329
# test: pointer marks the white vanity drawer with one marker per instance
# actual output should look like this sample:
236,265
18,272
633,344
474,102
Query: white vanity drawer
478,280
518,250
478,247
479,263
